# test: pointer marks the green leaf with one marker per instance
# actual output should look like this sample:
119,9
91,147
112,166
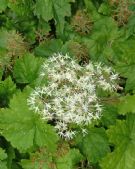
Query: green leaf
122,135
105,33
7,89
3,156
92,9
3,165
23,128
43,159
44,9
21,7
15,165
104,9
125,63
43,30
94,145
69,160
61,9
26,69
3,5
40,159
11,156
3,39
127,104
49,9
127,71
130,27
48,48
1,73
109,115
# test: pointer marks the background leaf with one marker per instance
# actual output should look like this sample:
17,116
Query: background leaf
48,48
3,5
7,89
26,69
40,159
57,10
44,9
127,104
94,145
123,137
3,156
69,160
18,124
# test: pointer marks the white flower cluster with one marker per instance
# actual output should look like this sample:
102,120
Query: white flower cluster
70,97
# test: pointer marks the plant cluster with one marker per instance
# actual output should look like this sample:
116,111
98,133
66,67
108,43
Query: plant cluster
71,93
67,84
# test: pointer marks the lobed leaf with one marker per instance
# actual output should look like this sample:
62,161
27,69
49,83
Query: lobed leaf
127,104
122,135
26,69
94,145
23,128
69,160
51,9
3,156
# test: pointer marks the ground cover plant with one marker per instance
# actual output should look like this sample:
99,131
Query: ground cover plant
67,84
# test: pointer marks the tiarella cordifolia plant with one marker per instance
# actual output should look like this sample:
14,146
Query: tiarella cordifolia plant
70,97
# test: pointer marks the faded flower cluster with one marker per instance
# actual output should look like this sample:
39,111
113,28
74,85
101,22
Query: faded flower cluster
70,97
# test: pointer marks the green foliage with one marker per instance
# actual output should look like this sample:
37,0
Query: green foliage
1,72
100,43
92,9
44,9
44,160
31,31
23,128
3,156
126,65
109,115
69,160
39,159
26,69
48,48
104,9
7,89
130,26
24,7
123,137
127,70
49,9
94,145
127,104
3,5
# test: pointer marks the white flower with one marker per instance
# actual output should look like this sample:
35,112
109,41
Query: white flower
69,135
98,107
107,69
105,85
84,131
70,96
61,126
114,77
